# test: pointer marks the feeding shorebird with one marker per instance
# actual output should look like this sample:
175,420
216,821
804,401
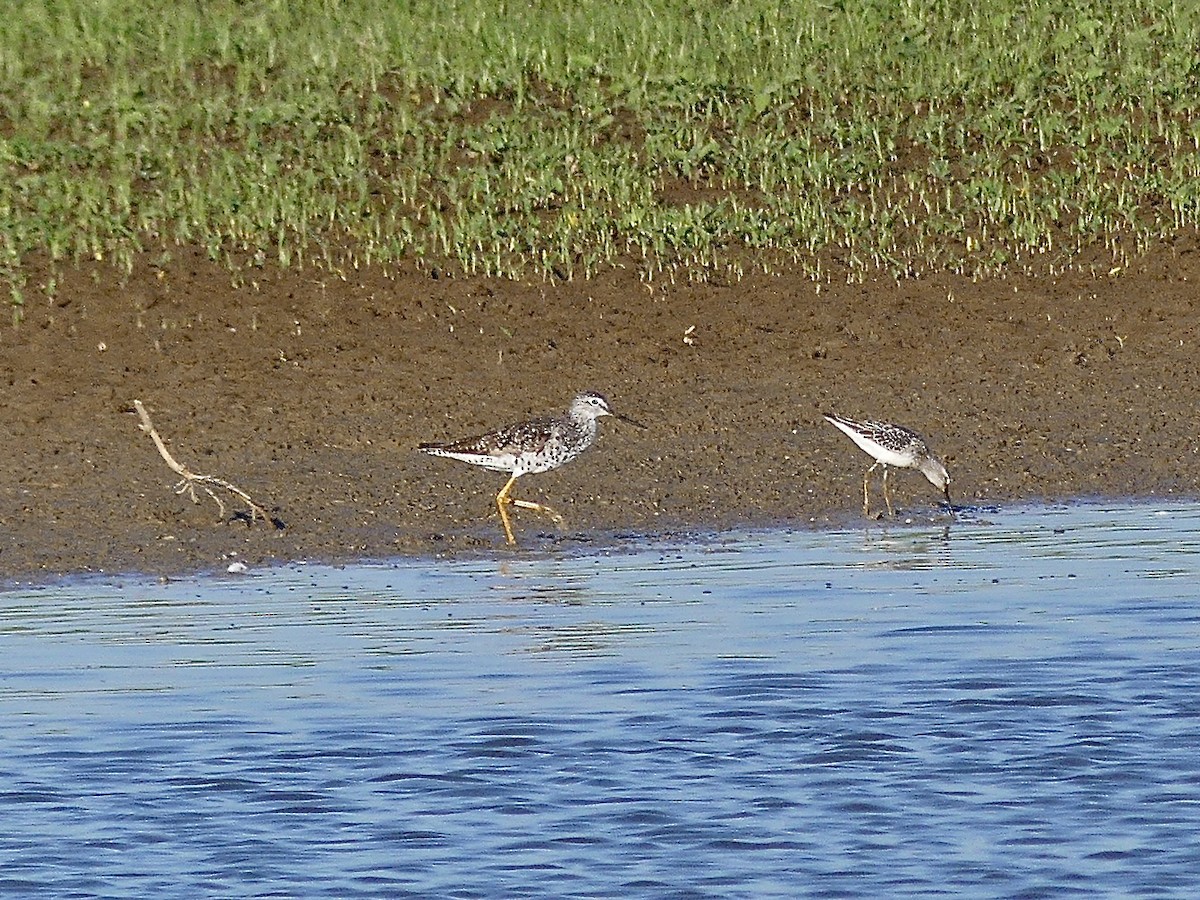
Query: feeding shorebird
536,445
892,445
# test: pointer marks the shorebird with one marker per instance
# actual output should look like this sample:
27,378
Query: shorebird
535,445
892,445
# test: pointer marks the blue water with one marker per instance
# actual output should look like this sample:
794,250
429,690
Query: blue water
1005,706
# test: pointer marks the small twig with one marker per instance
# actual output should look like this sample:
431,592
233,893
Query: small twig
190,480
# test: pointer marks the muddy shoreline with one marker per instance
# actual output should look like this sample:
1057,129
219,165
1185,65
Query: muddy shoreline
311,392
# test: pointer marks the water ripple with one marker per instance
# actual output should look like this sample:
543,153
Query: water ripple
1009,705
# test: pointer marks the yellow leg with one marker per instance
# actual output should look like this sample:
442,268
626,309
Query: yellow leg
502,502
538,507
866,487
886,498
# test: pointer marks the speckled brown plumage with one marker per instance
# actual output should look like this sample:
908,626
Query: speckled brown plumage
535,445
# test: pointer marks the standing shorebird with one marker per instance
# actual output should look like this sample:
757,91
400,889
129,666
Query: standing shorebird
892,445
536,445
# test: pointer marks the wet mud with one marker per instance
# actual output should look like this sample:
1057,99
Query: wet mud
311,391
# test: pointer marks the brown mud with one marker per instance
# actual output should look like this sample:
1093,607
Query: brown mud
311,392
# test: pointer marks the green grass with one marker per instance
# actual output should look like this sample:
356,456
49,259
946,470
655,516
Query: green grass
554,139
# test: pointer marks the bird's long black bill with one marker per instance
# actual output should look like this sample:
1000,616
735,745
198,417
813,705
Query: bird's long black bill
949,503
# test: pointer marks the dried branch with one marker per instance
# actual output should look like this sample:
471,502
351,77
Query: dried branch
190,480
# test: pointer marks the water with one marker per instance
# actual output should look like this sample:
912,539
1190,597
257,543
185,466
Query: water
1009,706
